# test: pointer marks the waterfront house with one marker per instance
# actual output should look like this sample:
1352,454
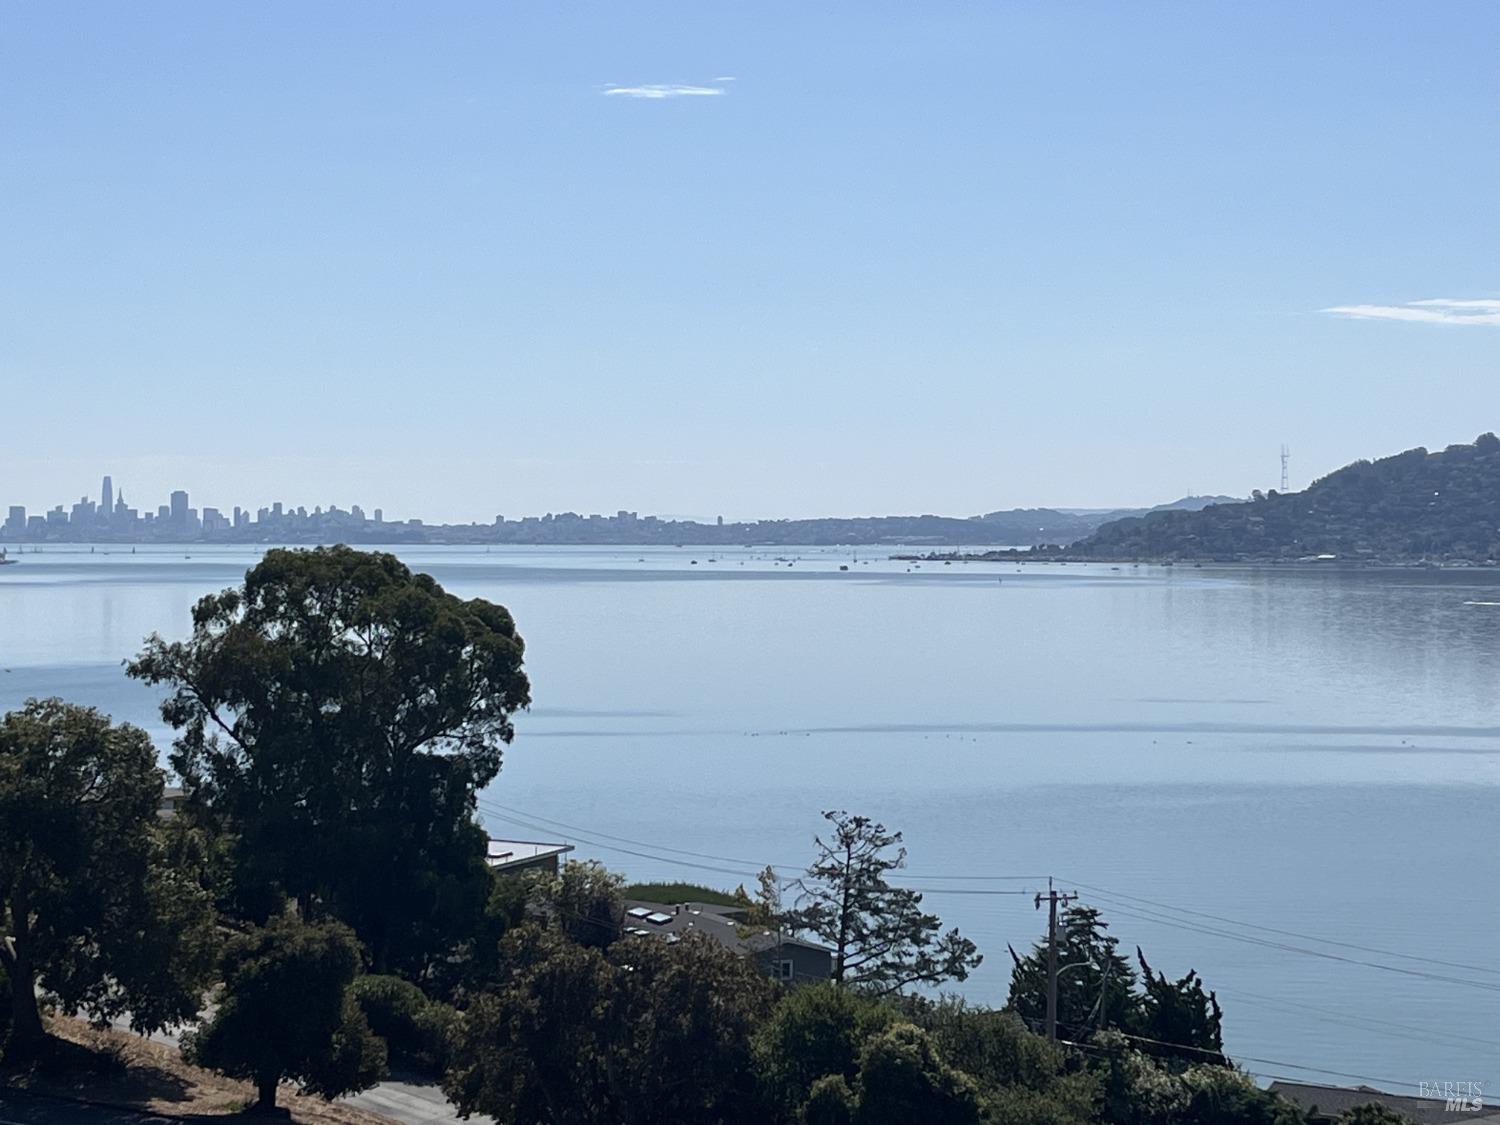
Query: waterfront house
524,856
780,956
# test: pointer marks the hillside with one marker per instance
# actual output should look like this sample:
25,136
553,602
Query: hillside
1028,526
1410,507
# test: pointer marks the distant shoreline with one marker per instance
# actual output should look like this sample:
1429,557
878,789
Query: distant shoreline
1335,563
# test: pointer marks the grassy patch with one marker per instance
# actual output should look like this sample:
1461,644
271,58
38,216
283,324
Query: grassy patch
669,894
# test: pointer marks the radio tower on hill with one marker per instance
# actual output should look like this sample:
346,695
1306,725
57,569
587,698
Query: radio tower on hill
1286,456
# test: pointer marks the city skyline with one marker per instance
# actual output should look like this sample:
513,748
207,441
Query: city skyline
112,519
113,515
908,260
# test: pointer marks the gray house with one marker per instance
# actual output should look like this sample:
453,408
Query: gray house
780,956
1327,1105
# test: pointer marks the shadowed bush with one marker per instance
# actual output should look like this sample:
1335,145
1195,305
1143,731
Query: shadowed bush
415,1029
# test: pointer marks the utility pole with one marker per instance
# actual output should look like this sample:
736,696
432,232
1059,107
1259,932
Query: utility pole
1053,897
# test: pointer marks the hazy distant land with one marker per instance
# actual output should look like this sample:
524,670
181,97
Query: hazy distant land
1412,507
1022,527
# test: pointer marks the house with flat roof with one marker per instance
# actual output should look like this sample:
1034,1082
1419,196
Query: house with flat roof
513,856
780,956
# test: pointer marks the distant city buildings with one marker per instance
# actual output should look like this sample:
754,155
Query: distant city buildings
113,520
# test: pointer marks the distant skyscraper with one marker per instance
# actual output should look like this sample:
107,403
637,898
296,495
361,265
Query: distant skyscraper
107,497
180,508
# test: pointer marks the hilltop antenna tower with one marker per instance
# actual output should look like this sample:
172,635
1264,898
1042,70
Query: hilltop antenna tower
1286,456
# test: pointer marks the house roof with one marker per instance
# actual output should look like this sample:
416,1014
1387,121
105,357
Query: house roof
501,854
1335,1101
721,923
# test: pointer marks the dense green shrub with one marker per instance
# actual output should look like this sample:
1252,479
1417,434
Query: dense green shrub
816,1030
415,1029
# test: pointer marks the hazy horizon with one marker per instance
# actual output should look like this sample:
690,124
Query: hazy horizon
781,262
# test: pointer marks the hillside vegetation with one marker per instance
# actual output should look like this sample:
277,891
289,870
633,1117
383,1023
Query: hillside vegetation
1414,506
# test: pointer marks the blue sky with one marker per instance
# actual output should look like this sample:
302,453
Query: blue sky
912,257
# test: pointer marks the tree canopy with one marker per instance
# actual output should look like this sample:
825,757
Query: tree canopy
336,715
647,1031
1098,989
285,1011
882,941
89,905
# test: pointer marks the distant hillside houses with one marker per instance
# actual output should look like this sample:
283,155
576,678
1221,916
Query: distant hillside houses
1412,507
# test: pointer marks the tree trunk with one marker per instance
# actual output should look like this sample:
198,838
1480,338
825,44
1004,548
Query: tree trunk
25,1019
265,1092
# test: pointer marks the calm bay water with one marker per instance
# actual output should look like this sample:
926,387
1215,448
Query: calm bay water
1315,753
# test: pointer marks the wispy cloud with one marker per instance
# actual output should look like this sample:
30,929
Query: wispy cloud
1435,310
657,91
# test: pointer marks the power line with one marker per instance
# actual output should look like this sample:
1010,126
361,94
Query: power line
1248,1058
1295,934
1148,916
1270,1062
628,851
1362,1023
510,815
759,865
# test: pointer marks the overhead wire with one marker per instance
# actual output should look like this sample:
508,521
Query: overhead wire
1292,933
1119,902
1142,914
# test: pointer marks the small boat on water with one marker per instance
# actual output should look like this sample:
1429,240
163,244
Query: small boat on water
7,561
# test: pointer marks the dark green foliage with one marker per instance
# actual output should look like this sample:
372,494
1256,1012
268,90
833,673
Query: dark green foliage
881,939
816,1030
830,1102
1415,505
89,900
1180,1017
1140,1090
475,962
415,1029
1095,984
336,716
903,1079
533,1049
584,899
286,1012
649,1032
1024,1078
1097,990
687,1013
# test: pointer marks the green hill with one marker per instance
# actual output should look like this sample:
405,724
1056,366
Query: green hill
1411,507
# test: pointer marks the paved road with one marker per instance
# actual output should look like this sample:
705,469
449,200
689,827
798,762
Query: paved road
411,1103
401,1099
32,1109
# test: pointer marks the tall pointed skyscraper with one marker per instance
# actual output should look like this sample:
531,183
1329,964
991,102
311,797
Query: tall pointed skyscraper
107,497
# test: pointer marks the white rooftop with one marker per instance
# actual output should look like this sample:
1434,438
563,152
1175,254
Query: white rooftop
508,853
